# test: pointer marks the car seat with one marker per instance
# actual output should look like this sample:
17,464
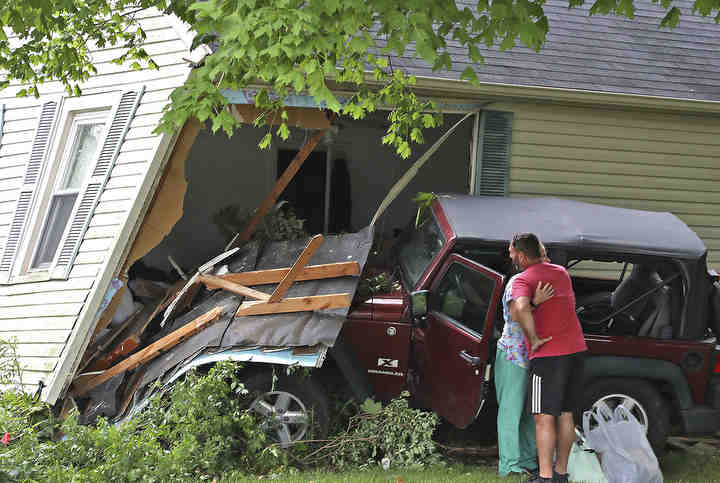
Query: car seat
657,320
639,280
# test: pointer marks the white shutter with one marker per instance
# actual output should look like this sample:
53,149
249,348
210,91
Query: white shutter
493,160
33,172
90,195
2,120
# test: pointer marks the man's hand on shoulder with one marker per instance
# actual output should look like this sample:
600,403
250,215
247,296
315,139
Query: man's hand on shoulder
542,293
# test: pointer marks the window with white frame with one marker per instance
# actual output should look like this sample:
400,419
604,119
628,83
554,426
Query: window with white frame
73,152
85,131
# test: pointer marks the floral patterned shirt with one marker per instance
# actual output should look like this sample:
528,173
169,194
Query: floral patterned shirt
513,338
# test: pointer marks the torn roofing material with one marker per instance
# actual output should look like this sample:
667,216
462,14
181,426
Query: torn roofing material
320,327
303,328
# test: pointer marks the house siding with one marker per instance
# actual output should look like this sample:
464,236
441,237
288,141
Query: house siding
42,315
632,159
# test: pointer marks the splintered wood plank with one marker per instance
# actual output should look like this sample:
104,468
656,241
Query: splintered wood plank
310,272
95,350
297,267
151,351
295,304
126,346
280,186
213,282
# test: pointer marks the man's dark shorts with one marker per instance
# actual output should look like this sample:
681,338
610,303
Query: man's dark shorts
555,384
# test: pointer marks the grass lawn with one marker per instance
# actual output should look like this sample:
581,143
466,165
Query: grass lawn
677,466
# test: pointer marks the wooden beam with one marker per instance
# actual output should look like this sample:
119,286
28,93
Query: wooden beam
125,347
211,281
131,338
295,304
310,272
151,351
297,267
280,186
95,350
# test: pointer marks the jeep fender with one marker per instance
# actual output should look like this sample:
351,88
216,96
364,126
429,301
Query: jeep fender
658,370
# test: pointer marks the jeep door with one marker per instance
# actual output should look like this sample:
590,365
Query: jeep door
453,339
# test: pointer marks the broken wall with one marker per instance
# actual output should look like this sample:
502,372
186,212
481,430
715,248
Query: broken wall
221,171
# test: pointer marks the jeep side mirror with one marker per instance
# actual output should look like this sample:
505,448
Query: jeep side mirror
419,303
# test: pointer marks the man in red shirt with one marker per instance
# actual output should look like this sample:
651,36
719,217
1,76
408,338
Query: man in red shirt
556,344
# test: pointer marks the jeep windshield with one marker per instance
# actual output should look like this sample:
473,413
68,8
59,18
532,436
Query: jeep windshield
419,250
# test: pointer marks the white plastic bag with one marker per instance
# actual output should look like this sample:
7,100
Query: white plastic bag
624,450
584,466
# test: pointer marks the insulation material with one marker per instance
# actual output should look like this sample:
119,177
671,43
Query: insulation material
166,208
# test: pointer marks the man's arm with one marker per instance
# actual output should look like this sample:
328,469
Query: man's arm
521,311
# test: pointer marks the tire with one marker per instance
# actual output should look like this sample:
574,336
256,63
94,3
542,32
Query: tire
643,400
295,409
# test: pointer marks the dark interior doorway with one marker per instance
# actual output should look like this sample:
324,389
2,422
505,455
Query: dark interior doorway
306,191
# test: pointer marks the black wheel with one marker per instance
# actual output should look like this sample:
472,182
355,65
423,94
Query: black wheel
640,398
296,408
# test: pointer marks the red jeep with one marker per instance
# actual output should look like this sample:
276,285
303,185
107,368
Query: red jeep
649,307
645,298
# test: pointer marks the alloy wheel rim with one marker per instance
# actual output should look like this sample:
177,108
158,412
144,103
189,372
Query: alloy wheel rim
284,415
611,401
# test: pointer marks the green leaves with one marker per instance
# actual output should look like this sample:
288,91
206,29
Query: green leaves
423,200
287,46
200,428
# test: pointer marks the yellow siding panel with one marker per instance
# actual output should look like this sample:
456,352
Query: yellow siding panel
632,159
635,119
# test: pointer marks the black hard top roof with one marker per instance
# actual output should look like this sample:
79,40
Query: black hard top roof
568,223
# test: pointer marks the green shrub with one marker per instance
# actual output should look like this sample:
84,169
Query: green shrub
10,372
278,224
30,426
200,428
394,435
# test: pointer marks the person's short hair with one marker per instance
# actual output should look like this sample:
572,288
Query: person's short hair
528,243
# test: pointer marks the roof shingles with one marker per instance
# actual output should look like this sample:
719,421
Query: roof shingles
605,53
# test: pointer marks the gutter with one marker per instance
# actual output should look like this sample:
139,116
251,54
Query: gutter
459,88
459,96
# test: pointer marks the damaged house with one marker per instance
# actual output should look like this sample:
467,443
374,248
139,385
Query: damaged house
104,223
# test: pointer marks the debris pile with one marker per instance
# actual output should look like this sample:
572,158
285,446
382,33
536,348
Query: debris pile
258,301
115,365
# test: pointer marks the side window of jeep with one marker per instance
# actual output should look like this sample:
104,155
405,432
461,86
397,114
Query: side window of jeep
464,295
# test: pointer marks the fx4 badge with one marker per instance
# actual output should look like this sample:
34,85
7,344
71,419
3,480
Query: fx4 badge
385,367
387,362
